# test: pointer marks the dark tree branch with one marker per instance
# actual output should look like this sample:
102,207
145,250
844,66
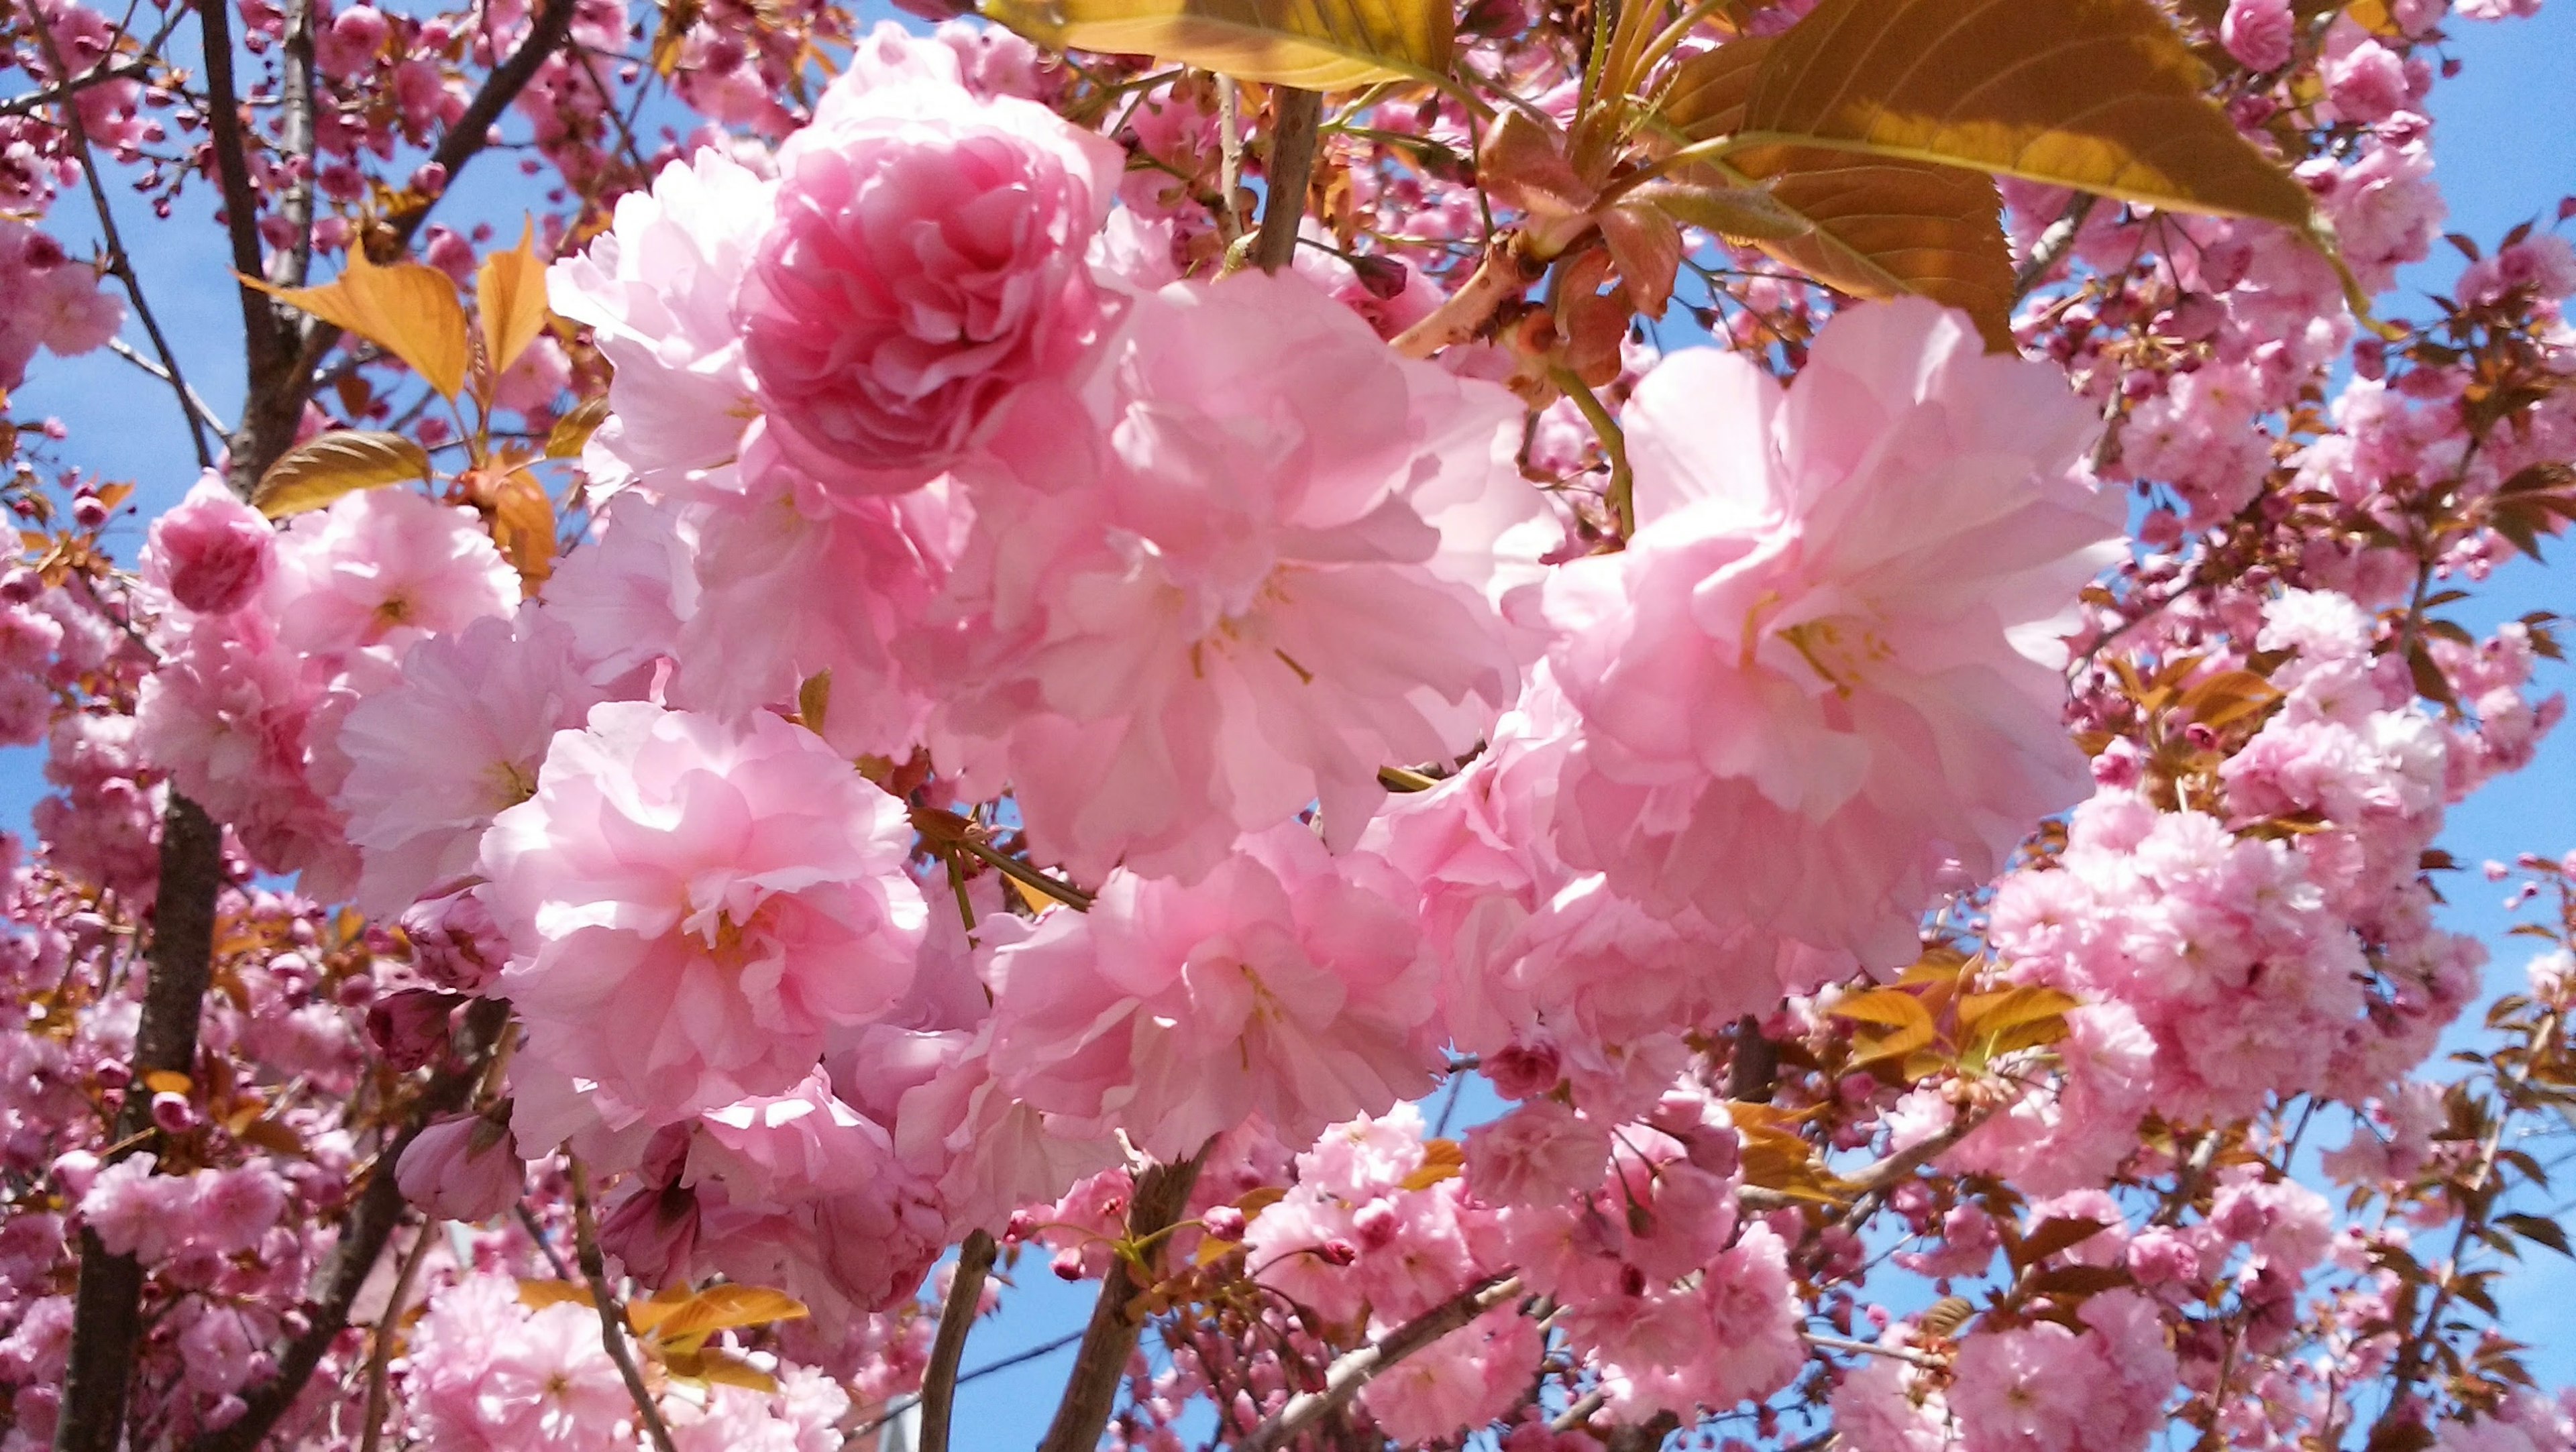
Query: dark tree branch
612,1317
2053,244
268,337
107,1313
370,1224
956,1318
1092,1390
1291,167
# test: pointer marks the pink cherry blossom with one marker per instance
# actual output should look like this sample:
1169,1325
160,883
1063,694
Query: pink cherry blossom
1258,563
926,261
1286,984
1826,664
212,552
692,905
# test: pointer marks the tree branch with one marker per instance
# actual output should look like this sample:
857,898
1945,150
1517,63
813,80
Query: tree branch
1506,272
612,1320
1357,1369
1161,1194
370,1223
34,101
295,137
1291,167
956,1318
107,1314
268,336
2052,246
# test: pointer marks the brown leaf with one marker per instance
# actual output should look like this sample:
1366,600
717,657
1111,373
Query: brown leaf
1442,1159
408,309
1313,45
718,1308
312,474
572,432
2099,95
510,296
2048,1237
1648,250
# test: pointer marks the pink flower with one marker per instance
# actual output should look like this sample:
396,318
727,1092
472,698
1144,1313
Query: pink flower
230,1210
1261,562
925,263
382,567
434,757
1827,664
693,905
463,1168
1286,985
656,290
212,552
135,1211
2043,1388
765,556
551,1386
2258,33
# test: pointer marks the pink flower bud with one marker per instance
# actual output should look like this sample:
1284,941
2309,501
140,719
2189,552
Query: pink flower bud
1223,1222
411,1026
464,1168
172,1113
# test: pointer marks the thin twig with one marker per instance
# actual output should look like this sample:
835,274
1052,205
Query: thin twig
1291,166
1229,150
380,1357
34,101
118,262
196,401
1905,1354
956,1318
295,138
1621,496
1357,1369
612,1317
2053,243
545,1243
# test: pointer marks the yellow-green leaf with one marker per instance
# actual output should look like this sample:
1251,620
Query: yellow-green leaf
1995,1013
2099,95
342,461
1890,1007
720,1308
1442,1159
1874,227
572,432
1314,45
407,309
510,296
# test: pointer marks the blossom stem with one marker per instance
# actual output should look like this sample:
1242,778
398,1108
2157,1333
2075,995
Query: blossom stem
1356,1369
612,1316
956,1319
1292,165
1622,493
380,1356
1018,871
1162,1192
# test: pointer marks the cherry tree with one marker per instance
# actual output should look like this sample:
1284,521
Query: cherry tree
947,651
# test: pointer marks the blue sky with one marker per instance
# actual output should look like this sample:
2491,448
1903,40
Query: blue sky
2505,146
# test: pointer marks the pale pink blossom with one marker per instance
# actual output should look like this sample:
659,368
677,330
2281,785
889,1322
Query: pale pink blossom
1257,563
1826,666
2259,33
656,290
693,905
435,756
1285,984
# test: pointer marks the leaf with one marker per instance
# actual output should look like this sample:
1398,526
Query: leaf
166,1081
572,432
1995,1013
2048,1237
2539,1229
2071,1282
342,461
537,1295
717,1308
1872,227
1314,45
1647,247
2099,95
1442,1159
2228,697
408,309
1891,1007
720,1366
510,296
1743,213
523,525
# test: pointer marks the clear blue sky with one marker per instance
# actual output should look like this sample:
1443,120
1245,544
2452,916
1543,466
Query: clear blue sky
2506,152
